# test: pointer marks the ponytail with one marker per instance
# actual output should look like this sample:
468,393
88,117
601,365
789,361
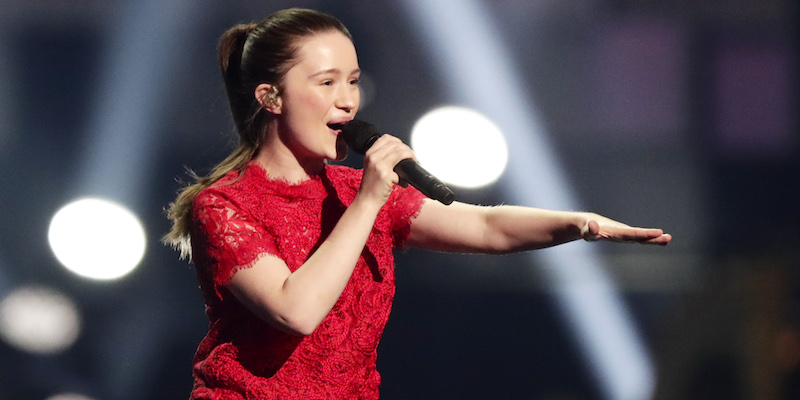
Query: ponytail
230,52
231,46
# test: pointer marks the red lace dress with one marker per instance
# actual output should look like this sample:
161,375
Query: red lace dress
243,357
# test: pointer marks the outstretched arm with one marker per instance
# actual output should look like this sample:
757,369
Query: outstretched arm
462,227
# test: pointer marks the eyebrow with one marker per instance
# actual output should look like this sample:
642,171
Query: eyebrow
333,71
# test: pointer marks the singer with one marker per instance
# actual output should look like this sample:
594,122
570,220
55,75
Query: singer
294,255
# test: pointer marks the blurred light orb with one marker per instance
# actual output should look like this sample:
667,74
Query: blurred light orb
39,320
367,88
69,396
460,146
97,239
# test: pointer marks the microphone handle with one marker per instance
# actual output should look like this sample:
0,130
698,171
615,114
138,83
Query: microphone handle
410,171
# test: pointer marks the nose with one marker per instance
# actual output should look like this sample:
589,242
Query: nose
348,98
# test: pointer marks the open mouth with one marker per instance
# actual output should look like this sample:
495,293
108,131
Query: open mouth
336,127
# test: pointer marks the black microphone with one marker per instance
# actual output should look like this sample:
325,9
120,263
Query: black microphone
360,135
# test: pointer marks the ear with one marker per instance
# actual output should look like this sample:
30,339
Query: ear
268,96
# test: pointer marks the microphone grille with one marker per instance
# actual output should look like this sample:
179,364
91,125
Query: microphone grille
359,135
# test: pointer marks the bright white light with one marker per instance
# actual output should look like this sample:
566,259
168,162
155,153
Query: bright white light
39,320
69,396
460,146
97,239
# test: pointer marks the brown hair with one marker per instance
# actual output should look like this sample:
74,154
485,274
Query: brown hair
249,55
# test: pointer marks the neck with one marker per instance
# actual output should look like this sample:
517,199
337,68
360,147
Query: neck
280,162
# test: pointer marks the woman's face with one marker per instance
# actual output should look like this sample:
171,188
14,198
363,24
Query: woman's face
321,89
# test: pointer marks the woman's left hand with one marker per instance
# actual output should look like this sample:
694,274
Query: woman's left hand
598,227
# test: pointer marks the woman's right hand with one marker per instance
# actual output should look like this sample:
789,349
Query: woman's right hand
379,162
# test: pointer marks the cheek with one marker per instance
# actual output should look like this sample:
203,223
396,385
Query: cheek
303,102
315,101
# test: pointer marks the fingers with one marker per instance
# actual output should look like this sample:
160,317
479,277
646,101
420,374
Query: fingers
593,231
661,240
385,153
649,236
391,149
639,234
379,162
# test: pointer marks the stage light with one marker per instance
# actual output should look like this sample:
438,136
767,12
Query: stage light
39,320
460,146
97,239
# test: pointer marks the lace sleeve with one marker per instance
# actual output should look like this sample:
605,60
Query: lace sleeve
231,238
405,204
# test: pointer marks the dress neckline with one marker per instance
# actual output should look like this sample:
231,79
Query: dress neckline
311,188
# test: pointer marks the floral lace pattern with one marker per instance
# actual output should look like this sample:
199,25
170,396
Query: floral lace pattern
236,223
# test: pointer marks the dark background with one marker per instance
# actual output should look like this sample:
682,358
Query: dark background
676,114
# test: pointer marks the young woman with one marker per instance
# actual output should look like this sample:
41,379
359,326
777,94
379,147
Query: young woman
293,255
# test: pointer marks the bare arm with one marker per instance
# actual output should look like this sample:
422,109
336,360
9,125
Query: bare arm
466,228
298,302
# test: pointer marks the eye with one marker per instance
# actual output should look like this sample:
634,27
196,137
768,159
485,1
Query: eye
327,82
354,81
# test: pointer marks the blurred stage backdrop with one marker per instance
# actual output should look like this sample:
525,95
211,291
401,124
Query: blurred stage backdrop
676,114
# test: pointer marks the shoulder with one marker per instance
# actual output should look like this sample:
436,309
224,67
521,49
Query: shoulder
223,192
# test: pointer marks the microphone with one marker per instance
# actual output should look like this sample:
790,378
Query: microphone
360,136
